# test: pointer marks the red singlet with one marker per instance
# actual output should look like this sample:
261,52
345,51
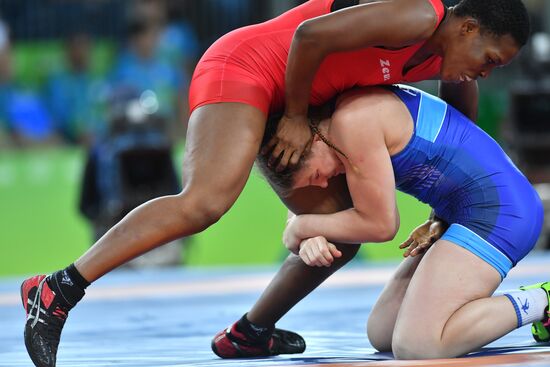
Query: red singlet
248,64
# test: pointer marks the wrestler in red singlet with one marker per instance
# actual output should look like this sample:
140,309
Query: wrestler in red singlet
248,65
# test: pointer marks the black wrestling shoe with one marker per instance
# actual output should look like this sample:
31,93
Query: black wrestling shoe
46,316
232,343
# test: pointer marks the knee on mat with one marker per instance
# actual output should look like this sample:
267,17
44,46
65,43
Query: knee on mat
380,335
413,346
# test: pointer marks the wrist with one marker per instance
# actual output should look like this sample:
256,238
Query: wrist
293,112
299,227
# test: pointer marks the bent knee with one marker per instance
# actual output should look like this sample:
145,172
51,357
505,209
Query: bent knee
380,336
406,348
414,347
202,210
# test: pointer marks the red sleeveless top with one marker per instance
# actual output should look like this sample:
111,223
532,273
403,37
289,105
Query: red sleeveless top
248,65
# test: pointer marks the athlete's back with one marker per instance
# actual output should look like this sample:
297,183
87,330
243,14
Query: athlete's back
257,56
463,173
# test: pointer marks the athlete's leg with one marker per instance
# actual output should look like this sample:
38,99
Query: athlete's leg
254,335
295,279
222,142
448,310
382,318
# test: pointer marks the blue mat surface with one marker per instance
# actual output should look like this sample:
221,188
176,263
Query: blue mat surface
168,317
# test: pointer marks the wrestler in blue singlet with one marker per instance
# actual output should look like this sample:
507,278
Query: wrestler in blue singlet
465,176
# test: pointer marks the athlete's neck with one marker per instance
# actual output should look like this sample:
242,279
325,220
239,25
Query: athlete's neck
437,43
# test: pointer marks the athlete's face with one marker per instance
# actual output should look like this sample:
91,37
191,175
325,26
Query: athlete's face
321,165
475,54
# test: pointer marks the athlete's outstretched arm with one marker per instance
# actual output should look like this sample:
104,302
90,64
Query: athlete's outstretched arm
390,23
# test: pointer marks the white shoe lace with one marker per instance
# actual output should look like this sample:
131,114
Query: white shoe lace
36,304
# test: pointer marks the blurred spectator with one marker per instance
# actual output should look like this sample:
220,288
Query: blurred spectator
141,66
179,42
128,165
180,46
5,91
214,18
235,13
21,110
55,19
73,93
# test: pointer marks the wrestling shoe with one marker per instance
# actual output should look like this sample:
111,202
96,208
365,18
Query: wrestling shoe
541,329
232,343
46,316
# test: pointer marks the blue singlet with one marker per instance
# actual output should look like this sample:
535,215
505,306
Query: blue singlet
465,176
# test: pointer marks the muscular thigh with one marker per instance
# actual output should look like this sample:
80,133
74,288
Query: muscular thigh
447,278
223,140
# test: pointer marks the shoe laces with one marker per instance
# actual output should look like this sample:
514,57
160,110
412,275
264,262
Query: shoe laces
55,322
36,303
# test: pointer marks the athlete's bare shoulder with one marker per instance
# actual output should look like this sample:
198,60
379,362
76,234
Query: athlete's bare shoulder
421,12
361,104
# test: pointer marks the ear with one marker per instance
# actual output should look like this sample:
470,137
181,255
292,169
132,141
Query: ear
469,26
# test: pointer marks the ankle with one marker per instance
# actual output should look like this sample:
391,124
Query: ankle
69,284
254,332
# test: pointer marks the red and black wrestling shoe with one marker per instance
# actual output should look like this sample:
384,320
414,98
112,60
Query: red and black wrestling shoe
232,343
46,316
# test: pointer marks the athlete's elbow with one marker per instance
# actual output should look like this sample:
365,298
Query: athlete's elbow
386,233
307,34
376,232
386,229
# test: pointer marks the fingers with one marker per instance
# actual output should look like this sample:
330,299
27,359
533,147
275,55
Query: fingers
410,249
295,158
417,248
270,145
283,162
324,254
407,243
304,255
276,154
334,250
318,252
290,156
421,248
309,255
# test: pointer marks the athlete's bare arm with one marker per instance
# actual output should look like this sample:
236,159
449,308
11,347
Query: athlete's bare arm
391,23
462,96
369,173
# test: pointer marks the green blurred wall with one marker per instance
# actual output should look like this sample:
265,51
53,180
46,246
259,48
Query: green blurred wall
41,229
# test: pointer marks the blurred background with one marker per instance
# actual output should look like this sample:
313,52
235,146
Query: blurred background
93,113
